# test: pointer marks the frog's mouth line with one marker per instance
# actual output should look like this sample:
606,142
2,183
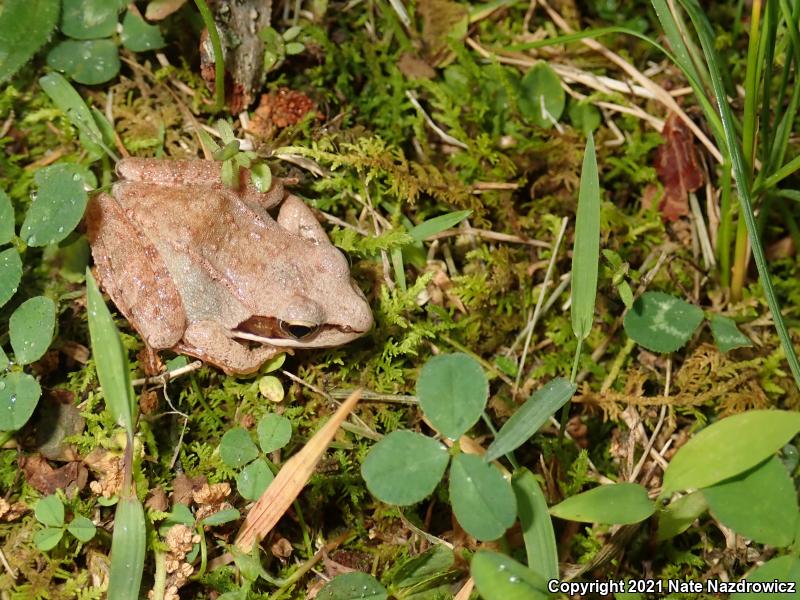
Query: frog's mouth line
276,332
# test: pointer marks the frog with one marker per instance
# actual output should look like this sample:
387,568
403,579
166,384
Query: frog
232,276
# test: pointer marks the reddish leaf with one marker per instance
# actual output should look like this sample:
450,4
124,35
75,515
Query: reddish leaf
678,168
40,475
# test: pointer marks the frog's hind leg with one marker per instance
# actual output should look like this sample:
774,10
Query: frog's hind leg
209,341
131,271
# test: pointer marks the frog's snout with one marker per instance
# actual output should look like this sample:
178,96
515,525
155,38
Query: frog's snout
362,314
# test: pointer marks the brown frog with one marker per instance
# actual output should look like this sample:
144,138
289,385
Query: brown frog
205,270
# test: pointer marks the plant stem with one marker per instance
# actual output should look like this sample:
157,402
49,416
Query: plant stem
202,400
160,582
740,173
739,261
219,60
725,226
751,88
748,143
572,379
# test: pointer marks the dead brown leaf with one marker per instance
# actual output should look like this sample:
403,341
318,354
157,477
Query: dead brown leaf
678,166
414,67
39,474
442,20
183,487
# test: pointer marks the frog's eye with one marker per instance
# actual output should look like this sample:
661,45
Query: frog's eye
297,331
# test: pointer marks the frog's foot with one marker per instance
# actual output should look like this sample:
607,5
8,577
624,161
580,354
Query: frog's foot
209,341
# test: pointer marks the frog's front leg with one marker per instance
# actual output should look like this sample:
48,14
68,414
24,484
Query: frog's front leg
210,342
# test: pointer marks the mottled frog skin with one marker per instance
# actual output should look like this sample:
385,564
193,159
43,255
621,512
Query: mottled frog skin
195,265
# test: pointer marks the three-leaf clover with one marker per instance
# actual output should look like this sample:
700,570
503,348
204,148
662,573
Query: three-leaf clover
49,512
90,56
406,466
237,450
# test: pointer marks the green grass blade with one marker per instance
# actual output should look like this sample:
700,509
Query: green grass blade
529,417
438,224
110,359
683,57
780,139
707,40
537,526
66,98
755,53
127,550
586,251
765,126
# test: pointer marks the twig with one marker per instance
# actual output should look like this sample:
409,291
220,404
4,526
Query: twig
466,590
534,316
702,231
430,538
487,234
446,137
372,434
163,378
367,396
7,566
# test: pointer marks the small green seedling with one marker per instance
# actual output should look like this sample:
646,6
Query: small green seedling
619,271
746,486
238,451
270,386
280,45
409,248
233,159
49,511
128,540
32,324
